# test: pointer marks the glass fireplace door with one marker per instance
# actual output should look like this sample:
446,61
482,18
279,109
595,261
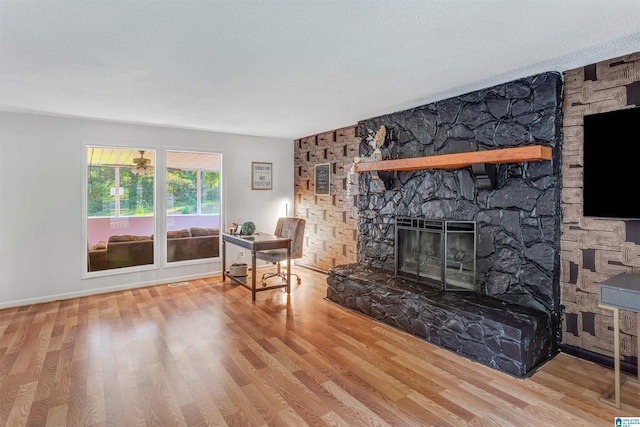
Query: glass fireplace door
459,266
406,251
437,253
419,250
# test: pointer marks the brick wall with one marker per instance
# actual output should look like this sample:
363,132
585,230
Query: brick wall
330,235
592,249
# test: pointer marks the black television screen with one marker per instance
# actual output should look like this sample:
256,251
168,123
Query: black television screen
611,165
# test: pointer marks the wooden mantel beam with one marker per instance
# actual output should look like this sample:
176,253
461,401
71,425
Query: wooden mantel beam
530,153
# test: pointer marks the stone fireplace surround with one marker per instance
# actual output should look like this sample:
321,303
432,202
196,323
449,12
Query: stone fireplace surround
512,320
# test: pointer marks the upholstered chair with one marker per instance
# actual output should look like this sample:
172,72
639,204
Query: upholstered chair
290,228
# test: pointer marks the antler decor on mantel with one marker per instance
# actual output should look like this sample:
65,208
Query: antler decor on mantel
375,140
530,153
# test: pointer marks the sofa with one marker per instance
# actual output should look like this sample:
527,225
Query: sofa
193,243
130,250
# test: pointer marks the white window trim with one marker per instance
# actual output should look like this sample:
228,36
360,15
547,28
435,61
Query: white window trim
125,270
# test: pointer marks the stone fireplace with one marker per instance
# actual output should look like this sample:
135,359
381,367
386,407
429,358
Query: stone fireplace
508,317
437,253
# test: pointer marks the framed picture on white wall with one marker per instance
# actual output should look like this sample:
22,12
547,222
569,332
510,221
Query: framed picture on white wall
261,176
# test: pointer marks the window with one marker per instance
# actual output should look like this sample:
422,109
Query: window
193,205
120,207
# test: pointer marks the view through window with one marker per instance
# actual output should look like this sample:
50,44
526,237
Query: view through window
193,205
120,207
120,216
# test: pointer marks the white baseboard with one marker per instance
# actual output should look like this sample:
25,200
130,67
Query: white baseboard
127,286
97,291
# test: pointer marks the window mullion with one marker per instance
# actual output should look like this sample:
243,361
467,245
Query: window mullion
117,184
199,190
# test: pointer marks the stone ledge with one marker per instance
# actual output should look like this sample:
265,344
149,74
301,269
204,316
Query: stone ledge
512,339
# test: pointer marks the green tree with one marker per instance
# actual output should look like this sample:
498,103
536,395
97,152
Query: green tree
100,181
210,192
182,185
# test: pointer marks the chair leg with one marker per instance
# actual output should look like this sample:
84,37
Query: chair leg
280,273
266,276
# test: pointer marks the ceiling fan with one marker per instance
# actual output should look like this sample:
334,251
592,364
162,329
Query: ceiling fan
142,166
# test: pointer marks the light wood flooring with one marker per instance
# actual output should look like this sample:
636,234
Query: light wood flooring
205,354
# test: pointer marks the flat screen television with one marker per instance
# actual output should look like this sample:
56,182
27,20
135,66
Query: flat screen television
611,165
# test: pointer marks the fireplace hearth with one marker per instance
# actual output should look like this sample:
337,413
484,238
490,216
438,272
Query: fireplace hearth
507,337
436,253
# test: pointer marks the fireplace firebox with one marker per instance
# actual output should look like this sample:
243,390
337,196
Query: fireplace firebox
438,253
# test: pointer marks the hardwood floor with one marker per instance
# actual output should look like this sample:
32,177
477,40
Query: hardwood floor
204,354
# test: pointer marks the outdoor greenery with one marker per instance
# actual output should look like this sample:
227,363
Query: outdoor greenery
182,192
137,199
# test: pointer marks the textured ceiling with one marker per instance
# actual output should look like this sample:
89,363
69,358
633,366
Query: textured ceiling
287,68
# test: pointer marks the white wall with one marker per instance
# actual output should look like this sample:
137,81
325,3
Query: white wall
42,247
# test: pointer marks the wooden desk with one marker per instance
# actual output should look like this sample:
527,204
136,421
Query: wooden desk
256,243
621,291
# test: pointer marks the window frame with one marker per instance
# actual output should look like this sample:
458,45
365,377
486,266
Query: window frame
165,261
86,274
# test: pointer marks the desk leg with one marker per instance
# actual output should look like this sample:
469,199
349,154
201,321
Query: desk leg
253,275
289,269
616,362
224,260
637,378
615,388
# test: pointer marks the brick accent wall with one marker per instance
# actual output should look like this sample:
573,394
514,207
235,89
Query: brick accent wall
592,249
330,234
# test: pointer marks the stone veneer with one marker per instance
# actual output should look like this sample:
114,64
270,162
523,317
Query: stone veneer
510,338
518,221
